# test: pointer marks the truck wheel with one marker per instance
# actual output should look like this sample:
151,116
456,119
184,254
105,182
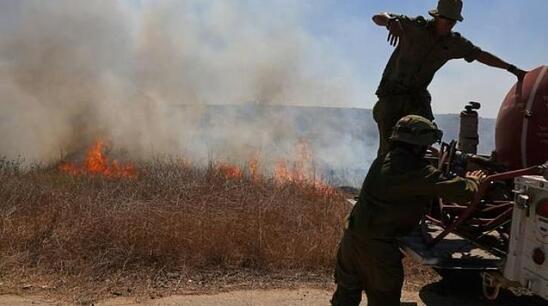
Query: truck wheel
490,287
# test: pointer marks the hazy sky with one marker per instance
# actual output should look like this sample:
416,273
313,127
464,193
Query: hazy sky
346,51
513,30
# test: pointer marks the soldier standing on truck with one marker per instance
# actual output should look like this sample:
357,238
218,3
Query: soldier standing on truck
423,47
395,194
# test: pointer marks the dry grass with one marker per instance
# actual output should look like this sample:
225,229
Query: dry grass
81,230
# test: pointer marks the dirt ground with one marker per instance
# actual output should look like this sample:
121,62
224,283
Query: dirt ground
273,297
433,294
423,286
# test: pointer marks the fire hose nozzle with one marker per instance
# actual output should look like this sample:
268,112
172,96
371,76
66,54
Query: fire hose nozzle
472,106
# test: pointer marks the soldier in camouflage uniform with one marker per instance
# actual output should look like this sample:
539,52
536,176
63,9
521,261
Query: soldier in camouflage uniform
423,47
395,194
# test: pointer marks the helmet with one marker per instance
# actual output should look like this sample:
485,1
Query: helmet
416,130
451,9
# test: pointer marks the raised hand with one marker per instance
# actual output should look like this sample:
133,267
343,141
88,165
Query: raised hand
395,30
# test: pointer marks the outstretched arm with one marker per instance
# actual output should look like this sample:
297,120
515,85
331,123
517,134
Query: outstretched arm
392,23
431,181
494,61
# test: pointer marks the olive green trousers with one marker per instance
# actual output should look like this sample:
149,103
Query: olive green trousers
389,109
370,265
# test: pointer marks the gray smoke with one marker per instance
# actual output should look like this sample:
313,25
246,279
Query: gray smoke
142,75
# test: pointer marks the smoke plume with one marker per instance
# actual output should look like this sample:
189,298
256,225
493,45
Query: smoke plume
142,75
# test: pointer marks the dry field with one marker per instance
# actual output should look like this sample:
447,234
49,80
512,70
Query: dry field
165,228
169,226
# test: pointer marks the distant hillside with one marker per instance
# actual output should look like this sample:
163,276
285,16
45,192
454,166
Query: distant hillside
343,141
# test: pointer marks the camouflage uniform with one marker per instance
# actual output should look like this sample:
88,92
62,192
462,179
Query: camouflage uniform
395,194
419,55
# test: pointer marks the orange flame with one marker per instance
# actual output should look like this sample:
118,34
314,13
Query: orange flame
230,171
69,168
302,171
282,173
302,168
253,168
96,163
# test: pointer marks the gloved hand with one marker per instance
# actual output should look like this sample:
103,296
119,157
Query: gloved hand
520,74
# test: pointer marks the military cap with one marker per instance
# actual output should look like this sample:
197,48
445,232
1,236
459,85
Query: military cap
416,130
451,9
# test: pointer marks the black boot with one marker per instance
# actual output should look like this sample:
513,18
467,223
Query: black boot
345,297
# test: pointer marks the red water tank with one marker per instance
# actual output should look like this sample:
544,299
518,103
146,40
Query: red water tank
521,134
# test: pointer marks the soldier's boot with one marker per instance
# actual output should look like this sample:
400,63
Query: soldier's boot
346,297
383,298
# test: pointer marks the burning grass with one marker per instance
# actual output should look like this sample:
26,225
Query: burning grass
170,217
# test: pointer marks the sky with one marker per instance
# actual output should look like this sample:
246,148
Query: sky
512,30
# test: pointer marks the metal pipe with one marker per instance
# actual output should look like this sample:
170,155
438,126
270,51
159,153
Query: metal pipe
478,196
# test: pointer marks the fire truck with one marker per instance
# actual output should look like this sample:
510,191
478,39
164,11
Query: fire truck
503,232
